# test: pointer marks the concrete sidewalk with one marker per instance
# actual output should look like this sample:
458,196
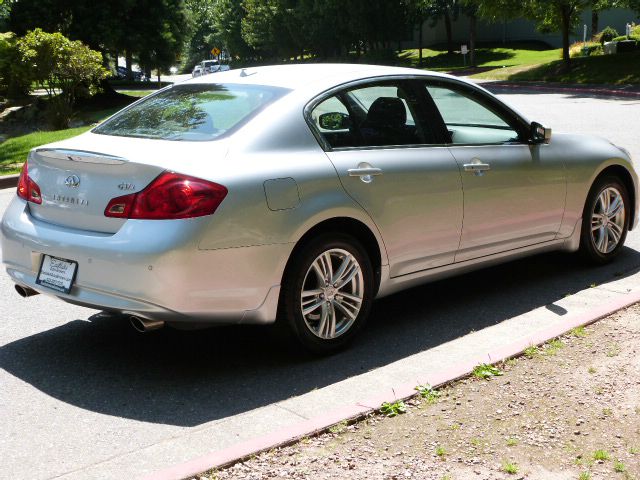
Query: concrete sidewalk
264,428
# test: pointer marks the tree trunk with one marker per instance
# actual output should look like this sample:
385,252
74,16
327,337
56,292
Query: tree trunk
420,39
594,22
566,27
129,61
472,40
447,24
107,89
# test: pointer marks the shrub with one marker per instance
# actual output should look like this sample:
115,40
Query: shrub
622,38
14,81
64,68
589,49
608,34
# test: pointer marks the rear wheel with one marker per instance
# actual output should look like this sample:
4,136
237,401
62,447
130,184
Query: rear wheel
605,220
327,292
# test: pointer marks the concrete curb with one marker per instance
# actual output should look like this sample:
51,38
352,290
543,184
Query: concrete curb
9,181
559,88
320,423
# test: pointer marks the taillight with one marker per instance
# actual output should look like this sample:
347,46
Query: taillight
27,188
169,196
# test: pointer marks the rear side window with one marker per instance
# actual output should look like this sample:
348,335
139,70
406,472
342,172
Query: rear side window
191,112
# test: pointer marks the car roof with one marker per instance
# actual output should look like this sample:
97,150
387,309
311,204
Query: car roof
297,76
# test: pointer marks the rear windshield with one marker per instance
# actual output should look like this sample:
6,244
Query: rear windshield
191,112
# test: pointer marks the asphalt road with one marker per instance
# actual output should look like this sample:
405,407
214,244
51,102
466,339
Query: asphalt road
80,390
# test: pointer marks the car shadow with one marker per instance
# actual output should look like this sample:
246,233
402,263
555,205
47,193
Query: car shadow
190,378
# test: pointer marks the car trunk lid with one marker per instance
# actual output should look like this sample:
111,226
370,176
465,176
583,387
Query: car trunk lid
77,185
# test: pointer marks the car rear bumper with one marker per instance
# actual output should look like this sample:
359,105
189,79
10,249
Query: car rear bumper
149,268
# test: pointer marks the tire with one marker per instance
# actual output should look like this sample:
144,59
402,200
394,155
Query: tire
330,320
605,221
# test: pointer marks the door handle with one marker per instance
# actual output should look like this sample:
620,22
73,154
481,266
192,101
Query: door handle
477,167
360,172
365,171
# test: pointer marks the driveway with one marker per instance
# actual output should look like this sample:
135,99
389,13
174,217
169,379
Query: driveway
84,396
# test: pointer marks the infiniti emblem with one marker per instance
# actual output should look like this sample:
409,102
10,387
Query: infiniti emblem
72,181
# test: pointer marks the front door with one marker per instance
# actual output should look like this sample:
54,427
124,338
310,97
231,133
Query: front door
514,195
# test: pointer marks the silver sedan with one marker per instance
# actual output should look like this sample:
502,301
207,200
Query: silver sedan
299,194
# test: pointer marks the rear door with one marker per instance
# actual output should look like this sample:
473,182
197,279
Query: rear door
392,164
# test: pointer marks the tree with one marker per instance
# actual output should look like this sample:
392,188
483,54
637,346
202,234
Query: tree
447,10
153,29
227,21
61,67
14,75
549,15
419,11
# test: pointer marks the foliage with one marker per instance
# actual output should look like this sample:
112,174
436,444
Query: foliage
485,371
549,15
607,34
510,467
60,66
585,49
393,409
152,30
429,393
601,455
14,79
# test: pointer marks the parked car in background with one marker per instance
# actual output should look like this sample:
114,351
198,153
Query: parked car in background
121,73
213,66
197,71
301,193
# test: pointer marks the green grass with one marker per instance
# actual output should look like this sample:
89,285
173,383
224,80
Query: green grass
601,455
510,467
14,151
618,69
136,93
484,371
487,56
392,409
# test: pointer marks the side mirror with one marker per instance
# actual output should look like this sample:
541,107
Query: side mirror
540,134
334,121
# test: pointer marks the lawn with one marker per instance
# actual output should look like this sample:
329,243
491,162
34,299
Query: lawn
488,56
14,151
136,93
617,69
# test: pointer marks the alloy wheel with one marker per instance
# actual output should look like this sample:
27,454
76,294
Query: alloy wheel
332,293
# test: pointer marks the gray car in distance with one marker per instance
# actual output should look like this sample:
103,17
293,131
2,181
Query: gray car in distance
300,193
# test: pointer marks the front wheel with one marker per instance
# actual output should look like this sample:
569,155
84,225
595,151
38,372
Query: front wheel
327,292
605,220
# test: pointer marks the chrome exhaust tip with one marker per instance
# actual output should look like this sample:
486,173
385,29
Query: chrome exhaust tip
144,325
25,292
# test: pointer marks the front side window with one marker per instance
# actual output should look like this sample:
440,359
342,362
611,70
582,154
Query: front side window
191,112
371,116
469,121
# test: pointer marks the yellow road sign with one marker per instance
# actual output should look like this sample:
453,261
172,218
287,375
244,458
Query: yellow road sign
215,51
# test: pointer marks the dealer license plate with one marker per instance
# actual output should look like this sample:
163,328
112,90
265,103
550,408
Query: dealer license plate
57,273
